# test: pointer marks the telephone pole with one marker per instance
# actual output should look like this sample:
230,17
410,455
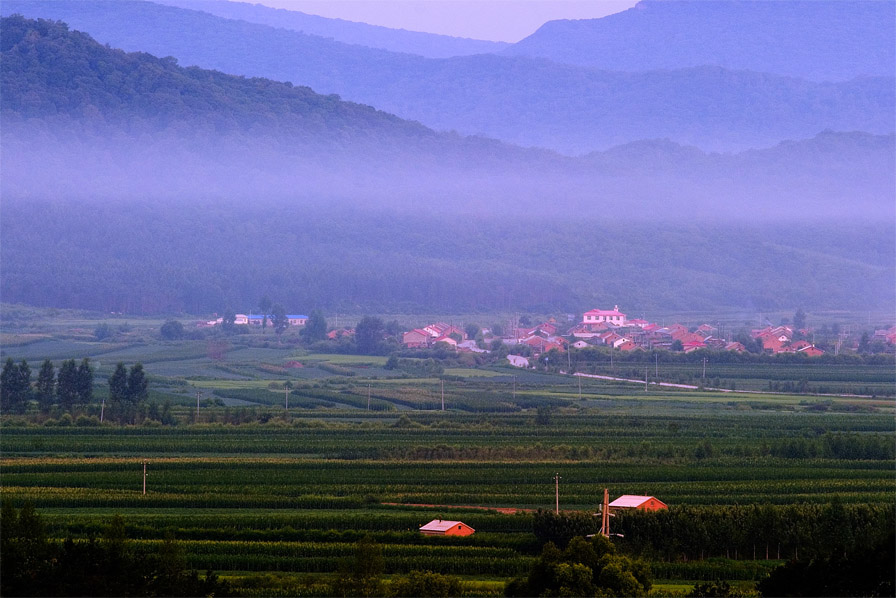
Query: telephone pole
605,515
557,493
144,477
368,397
198,395
443,394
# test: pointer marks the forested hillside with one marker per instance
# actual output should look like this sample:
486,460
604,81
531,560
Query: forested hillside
526,101
819,40
208,256
167,189
84,120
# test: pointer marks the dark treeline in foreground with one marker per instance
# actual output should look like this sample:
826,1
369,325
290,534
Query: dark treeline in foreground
34,565
209,257
750,531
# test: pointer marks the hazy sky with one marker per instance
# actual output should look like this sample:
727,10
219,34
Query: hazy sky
500,20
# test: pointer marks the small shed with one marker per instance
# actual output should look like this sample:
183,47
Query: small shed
440,527
632,501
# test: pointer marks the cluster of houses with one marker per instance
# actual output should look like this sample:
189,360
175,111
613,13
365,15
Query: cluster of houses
598,327
779,339
612,328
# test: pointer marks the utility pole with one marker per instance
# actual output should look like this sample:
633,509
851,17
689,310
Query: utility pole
646,370
580,388
557,493
605,515
198,395
656,365
514,388
368,396
103,410
443,394
704,369
144,477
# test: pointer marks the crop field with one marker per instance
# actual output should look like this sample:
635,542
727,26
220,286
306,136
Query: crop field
250,488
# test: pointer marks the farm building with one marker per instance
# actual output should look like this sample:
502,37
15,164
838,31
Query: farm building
645,503
439,527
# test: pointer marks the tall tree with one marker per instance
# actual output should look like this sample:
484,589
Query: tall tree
369,334
228,322
46,386
265,306
315,328
85,382
119,405
118,384
67,384
279,321
138,387
799,319
15,386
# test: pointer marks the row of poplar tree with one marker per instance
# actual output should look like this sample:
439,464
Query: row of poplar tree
70,387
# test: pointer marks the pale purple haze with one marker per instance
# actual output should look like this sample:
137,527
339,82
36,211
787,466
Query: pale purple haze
495,20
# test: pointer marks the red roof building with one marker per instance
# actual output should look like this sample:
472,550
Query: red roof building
633,501
440,527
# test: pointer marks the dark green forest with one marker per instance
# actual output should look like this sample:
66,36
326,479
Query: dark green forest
213,256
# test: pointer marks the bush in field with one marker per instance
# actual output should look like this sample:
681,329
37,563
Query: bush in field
172,330
560,529
584,568
425,584
362,575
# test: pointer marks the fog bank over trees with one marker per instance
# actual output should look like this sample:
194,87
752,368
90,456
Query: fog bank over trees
135,185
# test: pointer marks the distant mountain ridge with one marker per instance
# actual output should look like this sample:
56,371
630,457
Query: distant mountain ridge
524,101
429,45
819,40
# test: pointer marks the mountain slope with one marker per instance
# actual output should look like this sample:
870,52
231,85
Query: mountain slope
84,120
132,184
520,100
373,36
820,40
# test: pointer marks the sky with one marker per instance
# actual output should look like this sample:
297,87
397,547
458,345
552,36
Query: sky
497,20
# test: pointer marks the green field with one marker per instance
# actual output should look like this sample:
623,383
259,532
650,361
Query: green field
266,495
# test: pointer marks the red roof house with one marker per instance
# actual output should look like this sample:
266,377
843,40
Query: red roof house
632,501
440,527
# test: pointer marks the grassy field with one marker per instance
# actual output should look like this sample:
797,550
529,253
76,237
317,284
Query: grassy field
252,489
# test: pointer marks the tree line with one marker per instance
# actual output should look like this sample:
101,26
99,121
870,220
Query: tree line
734,531
31,564
72,387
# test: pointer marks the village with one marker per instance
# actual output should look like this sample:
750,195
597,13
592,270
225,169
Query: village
607,328
612,328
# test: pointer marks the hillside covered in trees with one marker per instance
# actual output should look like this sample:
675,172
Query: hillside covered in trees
529,101
85,120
